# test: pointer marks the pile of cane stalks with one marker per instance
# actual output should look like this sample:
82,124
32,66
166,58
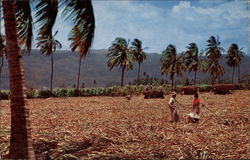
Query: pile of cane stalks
135,128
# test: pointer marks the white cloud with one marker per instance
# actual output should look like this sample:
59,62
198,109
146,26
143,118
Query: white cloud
157,27
182,5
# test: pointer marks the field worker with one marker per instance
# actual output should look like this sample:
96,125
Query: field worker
196,103
172,107
194,116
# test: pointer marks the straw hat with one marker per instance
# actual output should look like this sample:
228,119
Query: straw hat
173,93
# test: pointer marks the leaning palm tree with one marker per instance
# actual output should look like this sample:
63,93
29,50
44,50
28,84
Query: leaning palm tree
239,57
193,60
46,16
138,53
120,56
18,25
232,58
48,45
171,65
213,53
81,35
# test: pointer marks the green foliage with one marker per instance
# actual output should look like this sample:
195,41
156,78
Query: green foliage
60,92
44,94
72,92
205,87
149,81
4,95
31,93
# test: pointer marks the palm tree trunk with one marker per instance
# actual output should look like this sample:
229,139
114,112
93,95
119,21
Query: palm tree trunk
173,83
195,78
212,81
1,67
233,75
239,74
51,75
122,76
138,74
79,73
20,138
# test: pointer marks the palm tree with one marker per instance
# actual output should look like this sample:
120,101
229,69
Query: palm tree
232,57
215,70
171,64
239,56
193,60
48,45
213,53
82,33
2,53
17,17
120,56
138,53
20,139
46,13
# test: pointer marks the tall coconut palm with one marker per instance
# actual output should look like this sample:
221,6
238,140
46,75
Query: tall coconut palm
20,139
120,56
46,16
81,35
232,57
193,60
239,57
48,45
138,53
171,64
82,11
213,53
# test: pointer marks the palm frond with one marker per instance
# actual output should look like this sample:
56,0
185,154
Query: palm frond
24,23
170,63
48,44
137,51
119,54
46,13
82,15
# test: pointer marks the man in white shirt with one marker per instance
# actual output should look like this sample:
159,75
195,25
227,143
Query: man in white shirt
172,107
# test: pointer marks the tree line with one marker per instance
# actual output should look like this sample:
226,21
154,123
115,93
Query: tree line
172,64
123,54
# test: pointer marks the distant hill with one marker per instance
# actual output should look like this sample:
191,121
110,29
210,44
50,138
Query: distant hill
37,69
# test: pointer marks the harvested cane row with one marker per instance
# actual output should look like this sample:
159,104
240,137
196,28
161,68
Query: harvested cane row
116,127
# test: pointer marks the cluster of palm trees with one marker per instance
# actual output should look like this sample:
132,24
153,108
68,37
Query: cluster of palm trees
122,55
172,64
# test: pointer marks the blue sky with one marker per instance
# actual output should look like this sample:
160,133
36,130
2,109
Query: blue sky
160,23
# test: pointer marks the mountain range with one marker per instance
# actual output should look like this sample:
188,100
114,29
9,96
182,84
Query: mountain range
94,67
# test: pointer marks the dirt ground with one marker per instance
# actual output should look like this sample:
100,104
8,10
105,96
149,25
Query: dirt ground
118,128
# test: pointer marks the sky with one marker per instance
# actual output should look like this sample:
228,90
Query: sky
158,23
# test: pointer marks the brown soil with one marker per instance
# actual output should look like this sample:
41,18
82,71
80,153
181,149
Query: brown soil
114,127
